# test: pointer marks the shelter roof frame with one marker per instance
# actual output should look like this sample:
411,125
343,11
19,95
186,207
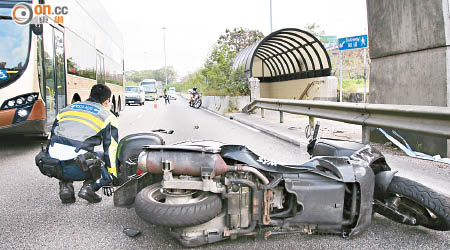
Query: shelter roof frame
284,55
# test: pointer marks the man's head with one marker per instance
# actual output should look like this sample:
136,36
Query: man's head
101,93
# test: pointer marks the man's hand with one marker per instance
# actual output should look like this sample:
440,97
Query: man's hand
108,190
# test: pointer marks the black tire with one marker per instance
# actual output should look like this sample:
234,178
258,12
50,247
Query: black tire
198,104
150,206
430,209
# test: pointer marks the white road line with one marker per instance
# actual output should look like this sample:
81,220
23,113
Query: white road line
228,119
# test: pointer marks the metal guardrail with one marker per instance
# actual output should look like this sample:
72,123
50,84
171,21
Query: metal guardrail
424,119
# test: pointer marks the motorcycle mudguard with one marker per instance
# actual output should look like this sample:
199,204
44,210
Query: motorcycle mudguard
129,147
132,144
382,181
125,194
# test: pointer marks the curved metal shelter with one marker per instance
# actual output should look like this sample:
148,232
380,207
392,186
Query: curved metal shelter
286,54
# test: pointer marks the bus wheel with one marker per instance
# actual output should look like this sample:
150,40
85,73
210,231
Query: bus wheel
75,98
114,105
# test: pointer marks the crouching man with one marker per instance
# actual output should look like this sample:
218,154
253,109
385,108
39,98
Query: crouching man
78,128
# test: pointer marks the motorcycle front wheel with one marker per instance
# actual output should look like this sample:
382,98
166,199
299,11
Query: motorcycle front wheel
413,199
177,208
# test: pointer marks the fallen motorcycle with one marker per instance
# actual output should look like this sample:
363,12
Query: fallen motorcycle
206,191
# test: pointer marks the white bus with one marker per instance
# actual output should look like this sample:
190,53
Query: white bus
44,68
151,91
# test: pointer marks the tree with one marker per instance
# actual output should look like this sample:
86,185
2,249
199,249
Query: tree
314,29
218,68
157,74
239,38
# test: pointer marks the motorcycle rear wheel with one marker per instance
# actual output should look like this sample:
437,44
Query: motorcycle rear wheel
152,206
413,199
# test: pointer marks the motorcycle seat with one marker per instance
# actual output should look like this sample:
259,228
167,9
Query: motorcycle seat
336,147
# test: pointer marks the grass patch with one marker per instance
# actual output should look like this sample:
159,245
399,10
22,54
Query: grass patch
352,85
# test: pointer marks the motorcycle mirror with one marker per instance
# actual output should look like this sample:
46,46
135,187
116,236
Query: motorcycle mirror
310,133
316,130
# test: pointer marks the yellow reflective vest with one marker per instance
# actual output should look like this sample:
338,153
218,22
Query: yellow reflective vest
84,125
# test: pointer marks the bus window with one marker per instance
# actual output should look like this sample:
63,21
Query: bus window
49,75
39,64
14,49
60,69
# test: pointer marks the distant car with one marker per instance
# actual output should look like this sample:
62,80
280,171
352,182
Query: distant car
172,93
134,95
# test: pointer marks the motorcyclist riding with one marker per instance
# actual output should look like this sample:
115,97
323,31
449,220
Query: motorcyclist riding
193,94
77,129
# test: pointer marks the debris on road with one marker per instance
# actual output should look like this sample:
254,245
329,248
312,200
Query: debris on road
131,232
407,149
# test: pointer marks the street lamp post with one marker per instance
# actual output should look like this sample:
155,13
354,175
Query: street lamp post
165,59
270,16
146,59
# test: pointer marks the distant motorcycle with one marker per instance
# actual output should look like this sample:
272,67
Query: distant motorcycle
196,100
207,191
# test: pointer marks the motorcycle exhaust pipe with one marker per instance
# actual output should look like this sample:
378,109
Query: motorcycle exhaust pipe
182,162
190,163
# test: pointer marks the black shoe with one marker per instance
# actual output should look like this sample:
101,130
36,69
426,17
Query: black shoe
87,192
66,192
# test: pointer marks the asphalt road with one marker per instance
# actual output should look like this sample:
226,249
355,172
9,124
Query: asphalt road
32,217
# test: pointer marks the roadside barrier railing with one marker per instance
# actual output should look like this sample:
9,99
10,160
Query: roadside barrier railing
422,119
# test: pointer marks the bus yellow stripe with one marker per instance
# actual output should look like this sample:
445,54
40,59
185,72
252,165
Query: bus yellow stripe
82,121
90,117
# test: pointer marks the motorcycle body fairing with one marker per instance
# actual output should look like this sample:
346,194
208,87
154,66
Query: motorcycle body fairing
313,192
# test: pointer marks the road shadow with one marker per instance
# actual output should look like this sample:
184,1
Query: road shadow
19,143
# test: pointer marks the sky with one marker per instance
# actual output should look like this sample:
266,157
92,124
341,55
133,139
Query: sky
194,26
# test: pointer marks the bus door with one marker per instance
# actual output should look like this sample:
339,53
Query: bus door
54,72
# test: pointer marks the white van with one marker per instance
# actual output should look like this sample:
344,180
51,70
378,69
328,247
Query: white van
134,95
172,93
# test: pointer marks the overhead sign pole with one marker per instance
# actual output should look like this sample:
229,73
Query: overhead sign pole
365,70
347,43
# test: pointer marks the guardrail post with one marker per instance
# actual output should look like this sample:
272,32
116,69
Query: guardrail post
311,123
281,117
262,113
365,134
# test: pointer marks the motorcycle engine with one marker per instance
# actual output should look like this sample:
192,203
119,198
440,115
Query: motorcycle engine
238,206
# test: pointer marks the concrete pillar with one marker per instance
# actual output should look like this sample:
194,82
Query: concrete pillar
255,90
409,43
